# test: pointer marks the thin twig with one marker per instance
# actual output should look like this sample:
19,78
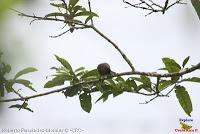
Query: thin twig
146,102
167,94
165,6
16,92
55,36
85,26
89,4
153,7
115,46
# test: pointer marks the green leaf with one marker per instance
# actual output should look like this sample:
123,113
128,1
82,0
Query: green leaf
171,65
104,96
163,84
70,92
56,81
79,69
1,91
175,79
65,63
146,83
88,19
93,74
77,8
8,86
25,71
85,101
15,106
184,99
7,68
131,84
86,13
116,88
185,61
73,2
28,109
24,106
26,83
193,79
54,14
196,5
58,5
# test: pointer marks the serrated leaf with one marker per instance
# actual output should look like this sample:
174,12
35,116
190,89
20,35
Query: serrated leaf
85,101
73,2
55,14
56,81
171,65
26,83
196,5
185,61
184,99
25,71
193,79
65,63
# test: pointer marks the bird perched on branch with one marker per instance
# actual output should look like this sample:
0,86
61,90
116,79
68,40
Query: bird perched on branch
104,69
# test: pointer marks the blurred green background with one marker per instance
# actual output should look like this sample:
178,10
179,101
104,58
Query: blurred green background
10,43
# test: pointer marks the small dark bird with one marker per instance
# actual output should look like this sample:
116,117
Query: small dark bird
104,69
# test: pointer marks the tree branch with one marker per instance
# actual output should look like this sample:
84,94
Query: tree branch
85,26
152,74
115,46
151,6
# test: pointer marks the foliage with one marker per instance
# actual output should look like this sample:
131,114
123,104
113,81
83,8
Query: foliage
84,83
72,12
6,85
196,5
116,86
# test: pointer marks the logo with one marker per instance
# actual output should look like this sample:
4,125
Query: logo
186,126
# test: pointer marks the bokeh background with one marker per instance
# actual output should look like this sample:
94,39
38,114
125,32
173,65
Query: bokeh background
145,40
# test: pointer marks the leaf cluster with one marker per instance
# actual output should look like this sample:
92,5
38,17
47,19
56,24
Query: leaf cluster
7,85
115,86
72,12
